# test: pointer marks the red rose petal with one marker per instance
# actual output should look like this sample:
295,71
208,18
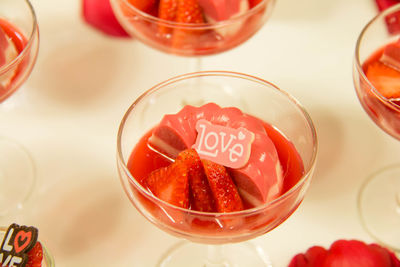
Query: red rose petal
356,253
395,261
392,21
315,256
383,4
299,261
346,253
99,14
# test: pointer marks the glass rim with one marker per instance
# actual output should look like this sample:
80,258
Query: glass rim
13,208
307,174
31,38
357,60
197,26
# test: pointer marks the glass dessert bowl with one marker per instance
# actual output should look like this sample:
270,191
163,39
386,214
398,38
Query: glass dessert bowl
19,44
209,27
376,75
294,147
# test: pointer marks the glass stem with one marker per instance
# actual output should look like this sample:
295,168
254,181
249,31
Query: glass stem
197,99
194,64
215,256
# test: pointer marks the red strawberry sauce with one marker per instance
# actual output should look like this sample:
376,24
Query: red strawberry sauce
143,160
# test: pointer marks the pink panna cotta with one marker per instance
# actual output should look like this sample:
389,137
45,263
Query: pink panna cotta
259,181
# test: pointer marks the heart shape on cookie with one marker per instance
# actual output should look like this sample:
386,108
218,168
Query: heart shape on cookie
22,240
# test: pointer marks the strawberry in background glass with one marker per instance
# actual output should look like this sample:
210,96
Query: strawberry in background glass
8,51
376,80
192,27
346,253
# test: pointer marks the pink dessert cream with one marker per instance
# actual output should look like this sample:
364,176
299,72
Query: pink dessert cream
228,137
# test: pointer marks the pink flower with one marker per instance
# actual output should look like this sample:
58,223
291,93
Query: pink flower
99,14
346,253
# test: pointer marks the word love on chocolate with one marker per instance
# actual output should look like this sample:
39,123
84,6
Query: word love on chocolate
17,241
223,145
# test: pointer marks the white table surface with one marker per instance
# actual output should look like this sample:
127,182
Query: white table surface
68,112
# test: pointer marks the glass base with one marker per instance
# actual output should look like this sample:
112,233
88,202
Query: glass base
197,255
379,206
17,176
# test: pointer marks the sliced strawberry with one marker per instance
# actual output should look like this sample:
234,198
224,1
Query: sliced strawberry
391,55
385,79
200,192
225,193
167,11
170,184
35,256
181,11
188,11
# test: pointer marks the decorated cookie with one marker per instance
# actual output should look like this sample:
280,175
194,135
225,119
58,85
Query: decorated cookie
20,247
223,145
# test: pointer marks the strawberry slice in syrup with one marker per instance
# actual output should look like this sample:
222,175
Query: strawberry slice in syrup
226,195
200,192
385,79
170,184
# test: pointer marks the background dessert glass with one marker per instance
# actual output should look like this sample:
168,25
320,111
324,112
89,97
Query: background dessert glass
218,230
17,172
199,39
379,196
